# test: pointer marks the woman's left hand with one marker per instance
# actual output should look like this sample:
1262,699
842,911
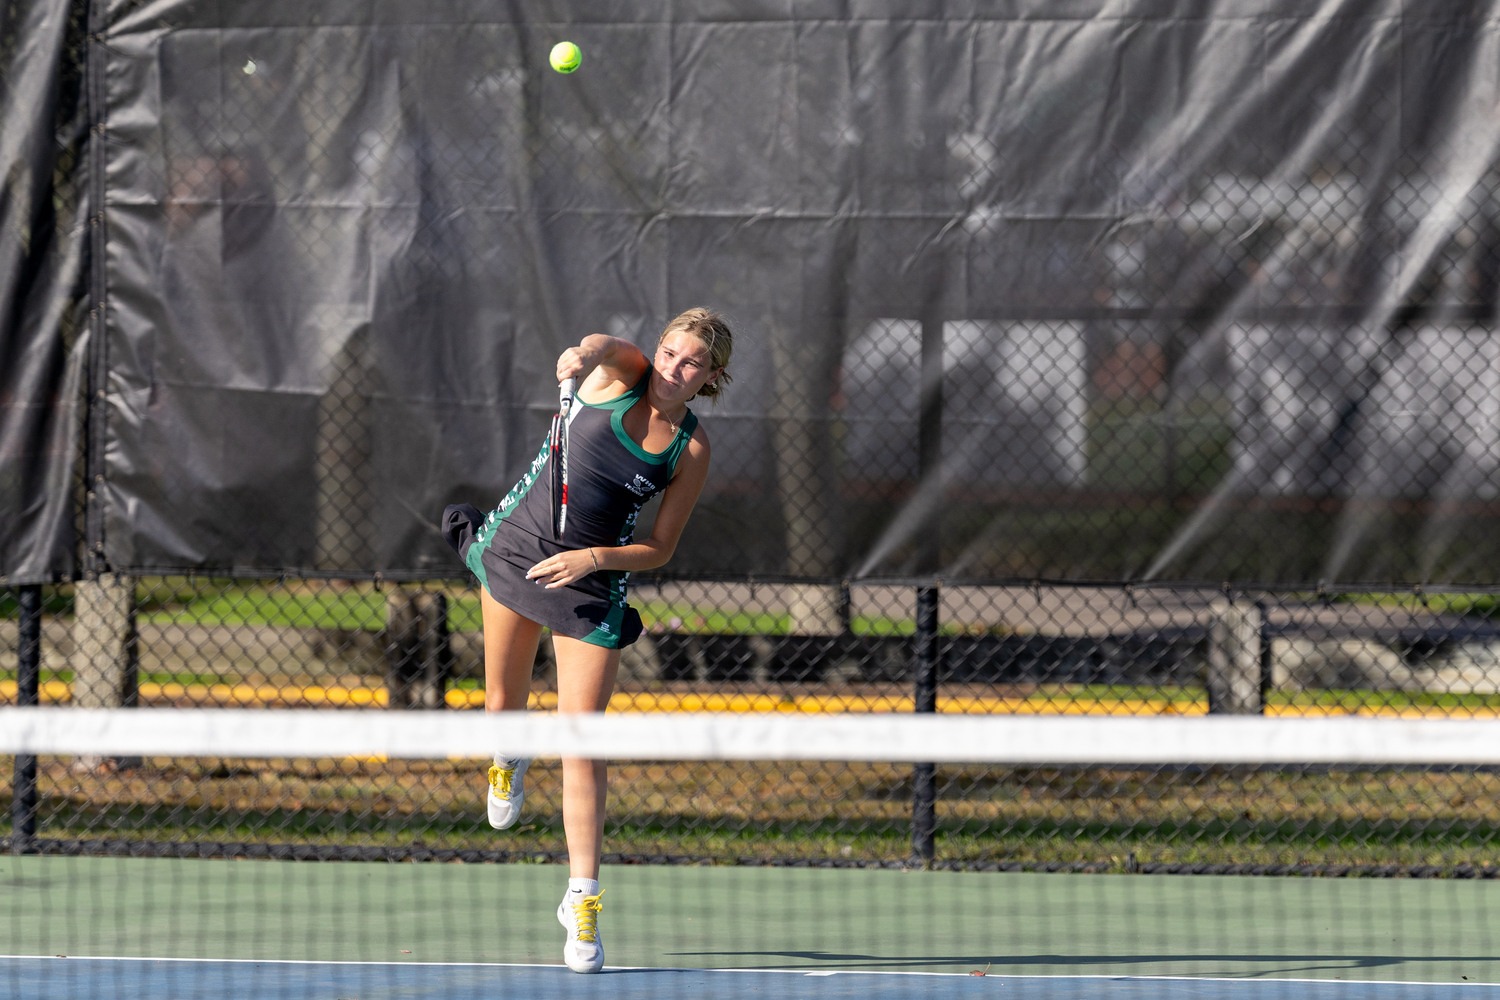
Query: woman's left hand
562,569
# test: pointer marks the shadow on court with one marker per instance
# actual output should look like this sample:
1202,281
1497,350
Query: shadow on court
1257,966
1052,961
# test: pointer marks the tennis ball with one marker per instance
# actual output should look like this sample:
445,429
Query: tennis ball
565,57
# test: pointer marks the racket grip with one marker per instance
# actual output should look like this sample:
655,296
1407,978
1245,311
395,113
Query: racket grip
565,394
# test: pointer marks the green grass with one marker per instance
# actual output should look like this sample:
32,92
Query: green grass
813,811
55,601
156,677
692,619
1354,700
358,608
363,608
1479,605
1105,844
176,600
1107,692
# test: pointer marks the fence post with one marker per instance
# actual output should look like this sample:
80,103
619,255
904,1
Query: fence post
1236,635
926,653
923,782
104,642
104,654
28,692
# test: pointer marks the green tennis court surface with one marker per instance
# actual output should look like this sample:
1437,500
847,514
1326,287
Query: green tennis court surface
1271,930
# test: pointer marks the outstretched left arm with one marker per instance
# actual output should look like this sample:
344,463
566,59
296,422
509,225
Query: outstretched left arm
677,503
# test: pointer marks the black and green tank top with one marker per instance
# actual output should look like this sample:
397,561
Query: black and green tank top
610,477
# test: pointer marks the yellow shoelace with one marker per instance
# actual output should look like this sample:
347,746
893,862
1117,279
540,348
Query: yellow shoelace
586,917
500,780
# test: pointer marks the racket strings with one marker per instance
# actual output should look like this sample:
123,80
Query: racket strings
562,504
560,468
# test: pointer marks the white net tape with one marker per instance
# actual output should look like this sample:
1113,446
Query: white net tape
1007,739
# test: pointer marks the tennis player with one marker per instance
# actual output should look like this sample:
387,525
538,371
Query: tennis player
630,437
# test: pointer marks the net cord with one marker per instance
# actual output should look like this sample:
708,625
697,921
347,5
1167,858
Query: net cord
1000,739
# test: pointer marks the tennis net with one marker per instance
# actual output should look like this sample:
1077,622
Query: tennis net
853,844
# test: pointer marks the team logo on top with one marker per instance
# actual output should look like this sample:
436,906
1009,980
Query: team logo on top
640,486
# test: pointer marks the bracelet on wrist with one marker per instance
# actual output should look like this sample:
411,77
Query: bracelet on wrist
593,559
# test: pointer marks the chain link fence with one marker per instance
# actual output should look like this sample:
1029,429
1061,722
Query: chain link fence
729,647
279,292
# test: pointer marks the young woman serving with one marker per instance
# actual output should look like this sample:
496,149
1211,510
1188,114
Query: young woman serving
630,437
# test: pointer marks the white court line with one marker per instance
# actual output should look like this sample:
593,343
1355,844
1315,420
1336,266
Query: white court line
1014,739
788,972
460,965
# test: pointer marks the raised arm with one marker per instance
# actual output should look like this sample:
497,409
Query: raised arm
604,366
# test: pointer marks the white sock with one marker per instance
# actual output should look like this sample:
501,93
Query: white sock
583,886
508,763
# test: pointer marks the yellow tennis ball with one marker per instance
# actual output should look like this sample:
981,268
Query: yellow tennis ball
565,57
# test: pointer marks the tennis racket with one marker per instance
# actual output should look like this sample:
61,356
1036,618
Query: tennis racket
560,459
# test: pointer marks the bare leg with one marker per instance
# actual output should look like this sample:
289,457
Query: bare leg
510,643
585,680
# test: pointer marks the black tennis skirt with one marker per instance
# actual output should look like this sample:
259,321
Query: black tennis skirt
592,608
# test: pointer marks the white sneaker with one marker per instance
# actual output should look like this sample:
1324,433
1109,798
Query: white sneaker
507,791
584,952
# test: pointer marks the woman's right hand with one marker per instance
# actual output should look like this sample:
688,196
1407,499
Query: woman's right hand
616,360
576,362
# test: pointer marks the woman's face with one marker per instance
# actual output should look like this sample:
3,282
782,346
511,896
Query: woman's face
682,367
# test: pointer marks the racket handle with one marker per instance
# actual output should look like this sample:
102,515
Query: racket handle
565,394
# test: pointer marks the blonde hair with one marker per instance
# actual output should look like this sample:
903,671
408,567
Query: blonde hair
713,333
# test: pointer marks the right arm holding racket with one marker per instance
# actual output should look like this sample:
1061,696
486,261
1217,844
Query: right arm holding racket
603,368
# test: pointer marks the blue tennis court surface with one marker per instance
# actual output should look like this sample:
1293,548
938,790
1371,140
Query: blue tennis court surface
140,979
142,927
